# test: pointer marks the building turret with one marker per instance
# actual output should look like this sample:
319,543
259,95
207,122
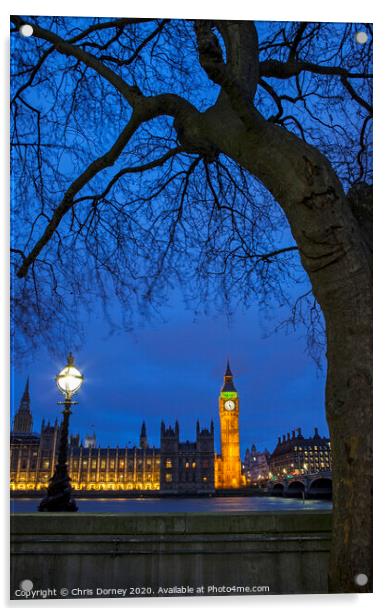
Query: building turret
143,437
90,441
23,419
74,440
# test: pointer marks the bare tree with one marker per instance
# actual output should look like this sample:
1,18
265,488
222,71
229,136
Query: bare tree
221,155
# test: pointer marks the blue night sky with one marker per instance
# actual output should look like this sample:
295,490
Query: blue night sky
175,370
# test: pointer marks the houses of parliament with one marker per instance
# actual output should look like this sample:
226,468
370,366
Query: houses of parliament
174,467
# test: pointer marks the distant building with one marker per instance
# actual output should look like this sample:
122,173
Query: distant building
228,466
143,437
33,456
175,467
33,460
89,441
187,467
297,455
114,468
22,423
74,440
256,466
25,445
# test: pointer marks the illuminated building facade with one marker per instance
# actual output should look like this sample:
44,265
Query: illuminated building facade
175,467
33,459
228,471
186,466
256,466
297,455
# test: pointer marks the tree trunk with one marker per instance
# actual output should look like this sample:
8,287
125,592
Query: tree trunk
337,258
349,404
349,414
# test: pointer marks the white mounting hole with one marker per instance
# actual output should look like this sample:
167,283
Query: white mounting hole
26,30
361,37
361,579
26,585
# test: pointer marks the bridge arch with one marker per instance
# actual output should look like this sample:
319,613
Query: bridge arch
295,488
277,489
320,488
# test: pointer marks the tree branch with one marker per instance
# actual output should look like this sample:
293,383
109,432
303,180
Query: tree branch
130,93
269,255
151,106
285,70
297,39
355,96
137,51
68,200
151,165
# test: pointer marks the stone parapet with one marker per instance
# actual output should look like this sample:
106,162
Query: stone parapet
285,552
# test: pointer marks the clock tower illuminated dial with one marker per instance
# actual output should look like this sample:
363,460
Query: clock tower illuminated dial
229,405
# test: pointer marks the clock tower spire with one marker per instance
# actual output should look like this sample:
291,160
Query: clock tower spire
228,465
228,384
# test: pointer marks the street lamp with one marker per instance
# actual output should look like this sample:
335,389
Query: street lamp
59,494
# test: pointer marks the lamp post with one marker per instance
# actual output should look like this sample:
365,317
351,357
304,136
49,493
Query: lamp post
59,494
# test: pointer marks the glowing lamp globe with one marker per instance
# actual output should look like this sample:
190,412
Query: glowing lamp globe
69,380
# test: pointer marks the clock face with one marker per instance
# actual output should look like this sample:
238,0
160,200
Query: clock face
229,405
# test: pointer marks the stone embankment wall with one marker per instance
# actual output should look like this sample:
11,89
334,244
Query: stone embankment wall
164,553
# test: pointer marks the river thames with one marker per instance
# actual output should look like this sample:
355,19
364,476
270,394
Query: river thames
181,505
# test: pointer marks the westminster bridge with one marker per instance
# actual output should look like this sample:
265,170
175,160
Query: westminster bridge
317,485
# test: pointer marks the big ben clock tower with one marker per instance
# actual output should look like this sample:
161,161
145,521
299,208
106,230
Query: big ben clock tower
229,472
